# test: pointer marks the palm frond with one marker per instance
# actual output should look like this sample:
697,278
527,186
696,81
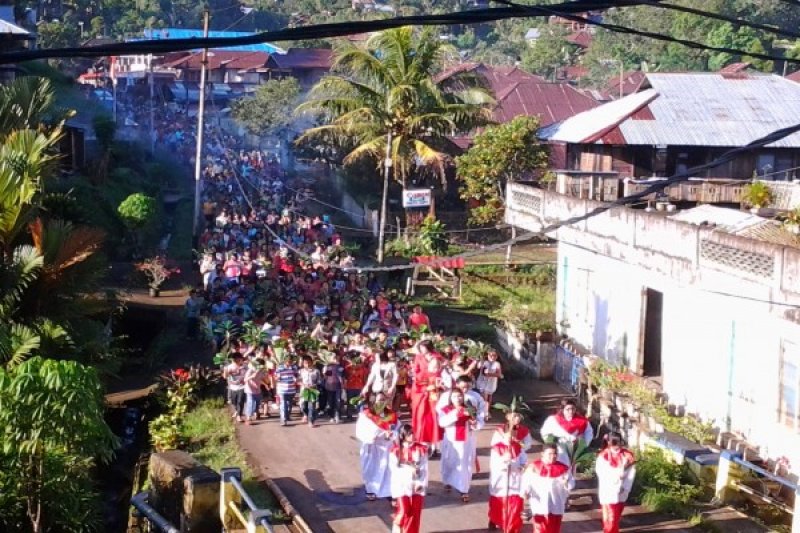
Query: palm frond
19,343
25,103
16,276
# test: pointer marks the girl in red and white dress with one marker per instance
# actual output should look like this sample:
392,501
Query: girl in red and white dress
567,426
374,429
458,446
506,462
547,483
424,394
616,469
409,466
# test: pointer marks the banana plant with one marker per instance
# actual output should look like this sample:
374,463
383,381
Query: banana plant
517,405
326,357
476,349
309,394
576,450
252,334
228,330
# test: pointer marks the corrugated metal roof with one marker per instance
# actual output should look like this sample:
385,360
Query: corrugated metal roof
696,109
7,27
518,92
551,102
725,219
319,58
584,125
182,33
739,223
228,59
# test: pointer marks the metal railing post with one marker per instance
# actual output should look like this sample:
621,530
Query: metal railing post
140,503
229,495
723,475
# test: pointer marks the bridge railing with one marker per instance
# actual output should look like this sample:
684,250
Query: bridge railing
140,502
729,479
237,510
231,496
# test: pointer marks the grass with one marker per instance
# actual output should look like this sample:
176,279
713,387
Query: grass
474,314
488,297
211,437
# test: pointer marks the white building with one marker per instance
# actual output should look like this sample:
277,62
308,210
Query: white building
705,301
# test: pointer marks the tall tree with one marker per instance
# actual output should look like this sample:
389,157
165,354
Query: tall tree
48,267
500,154
389,86
384,101
270,110
549,52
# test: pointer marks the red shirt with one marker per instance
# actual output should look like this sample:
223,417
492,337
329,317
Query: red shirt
417,320
355,376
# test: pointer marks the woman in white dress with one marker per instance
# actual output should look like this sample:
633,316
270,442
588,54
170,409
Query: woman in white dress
409,464
458,446
489,374
374,429
615,469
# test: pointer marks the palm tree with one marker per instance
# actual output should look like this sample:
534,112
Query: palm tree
47,265
384,103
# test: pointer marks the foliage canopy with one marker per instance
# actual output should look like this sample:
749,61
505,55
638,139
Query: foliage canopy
499,154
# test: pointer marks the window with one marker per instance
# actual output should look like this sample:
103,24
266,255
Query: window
788,407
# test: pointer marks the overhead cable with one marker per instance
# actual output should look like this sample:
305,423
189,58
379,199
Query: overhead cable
735,21
631,199
618,28
316,31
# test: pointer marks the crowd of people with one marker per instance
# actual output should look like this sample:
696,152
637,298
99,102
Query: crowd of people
303,336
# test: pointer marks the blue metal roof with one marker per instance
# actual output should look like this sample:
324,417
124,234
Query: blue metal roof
182,33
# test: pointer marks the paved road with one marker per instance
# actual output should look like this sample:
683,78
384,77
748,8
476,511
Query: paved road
318,470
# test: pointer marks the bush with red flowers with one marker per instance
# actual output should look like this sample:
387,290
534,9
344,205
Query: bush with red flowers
157,271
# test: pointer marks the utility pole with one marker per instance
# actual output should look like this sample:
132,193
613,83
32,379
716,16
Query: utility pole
198,163
387,169
152,108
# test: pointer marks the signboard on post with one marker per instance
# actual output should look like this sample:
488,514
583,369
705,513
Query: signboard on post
416,198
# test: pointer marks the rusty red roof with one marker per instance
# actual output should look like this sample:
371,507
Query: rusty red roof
551,102
735,67
217,59
319,58
582,38
794,76
631,82
518,92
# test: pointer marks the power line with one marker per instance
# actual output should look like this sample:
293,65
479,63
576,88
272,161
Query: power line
622,202
317,31
736,21
617,28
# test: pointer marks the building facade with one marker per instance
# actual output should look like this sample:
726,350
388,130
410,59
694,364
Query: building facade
673,122
706,303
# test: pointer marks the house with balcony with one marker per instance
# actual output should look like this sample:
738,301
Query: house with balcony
703,302
672,122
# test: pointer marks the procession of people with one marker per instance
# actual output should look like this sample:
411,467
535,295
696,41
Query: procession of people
303,335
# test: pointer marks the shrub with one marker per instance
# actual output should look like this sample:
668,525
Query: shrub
757,194
662,485
137,210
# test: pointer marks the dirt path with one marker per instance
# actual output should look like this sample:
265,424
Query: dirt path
318,470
